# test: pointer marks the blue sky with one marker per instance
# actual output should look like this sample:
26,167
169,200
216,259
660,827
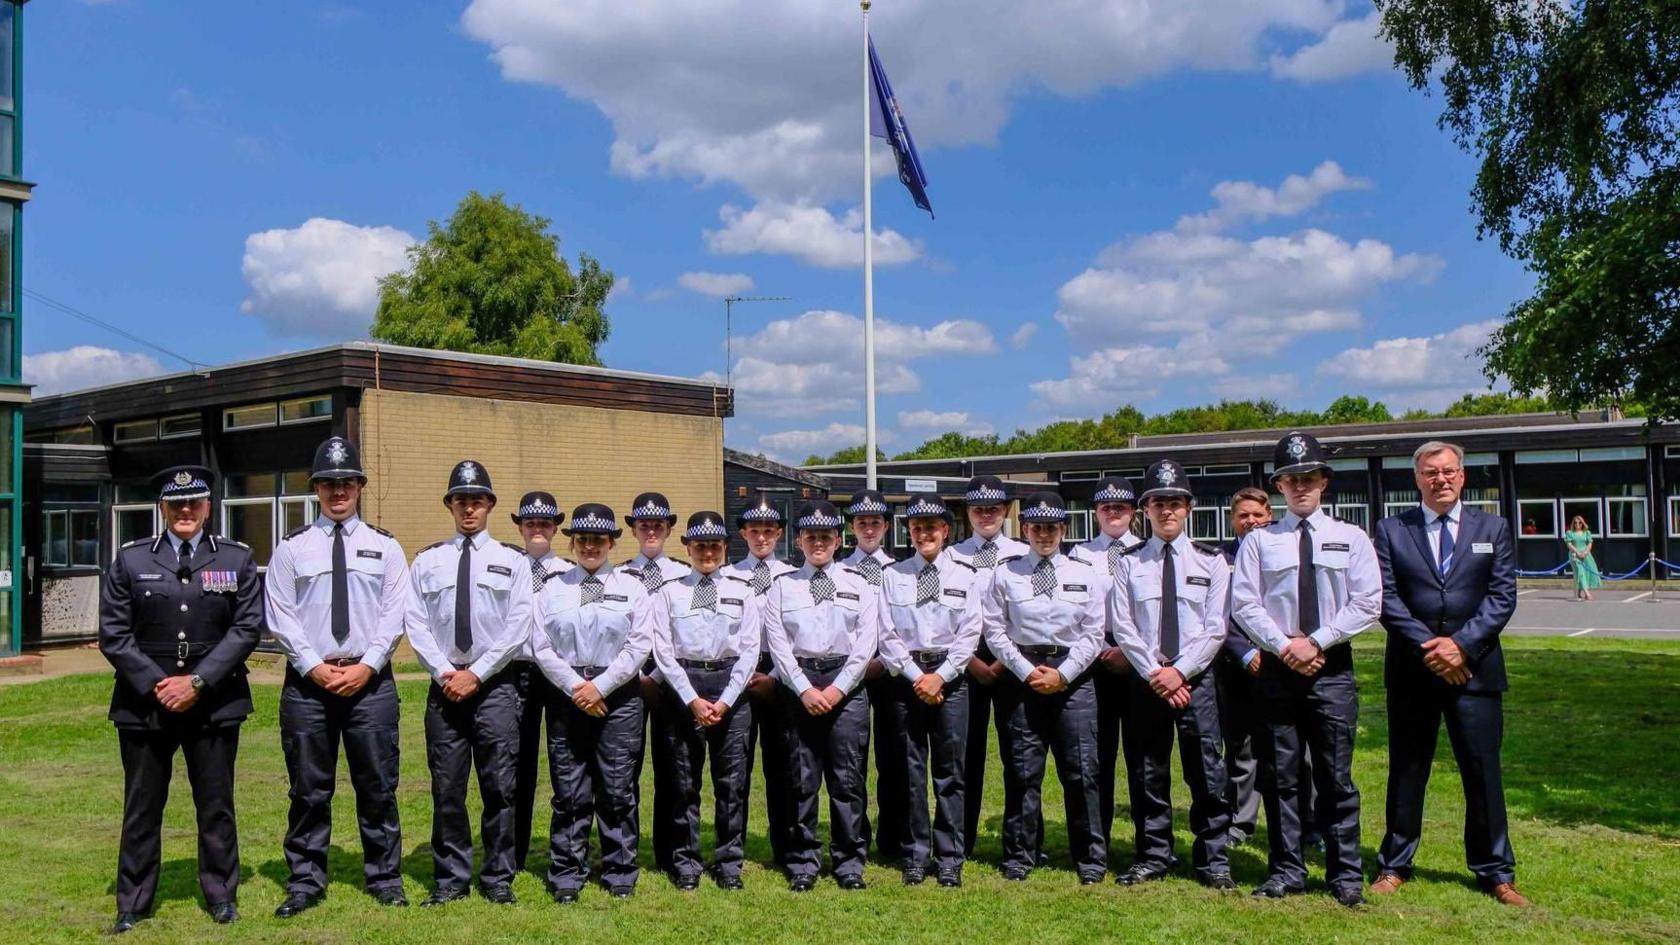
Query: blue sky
1158,204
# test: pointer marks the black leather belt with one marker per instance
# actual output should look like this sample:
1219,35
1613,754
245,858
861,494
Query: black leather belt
180,649
821,664
928,658
708,666
1045,651
589,672
343,661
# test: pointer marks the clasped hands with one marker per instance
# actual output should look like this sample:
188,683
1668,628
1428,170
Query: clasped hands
1446,659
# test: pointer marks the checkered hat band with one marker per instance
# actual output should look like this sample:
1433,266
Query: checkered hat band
1114,495
706,530
985,495
867,507
592,523
650,511
758,513
923,509
819,521
538,508
198,490
1044,515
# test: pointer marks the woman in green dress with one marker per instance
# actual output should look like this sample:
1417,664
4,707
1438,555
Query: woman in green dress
1580,543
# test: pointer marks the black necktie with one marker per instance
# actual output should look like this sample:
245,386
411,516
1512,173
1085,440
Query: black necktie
463,598
1169,605
184,569
340,587
1306,584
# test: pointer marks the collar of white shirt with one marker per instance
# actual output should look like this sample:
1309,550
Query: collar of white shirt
326,524
602,572
1453,515
1180,545
479,540
176,540
1315,521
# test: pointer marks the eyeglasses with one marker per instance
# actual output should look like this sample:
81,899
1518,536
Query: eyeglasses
1437,475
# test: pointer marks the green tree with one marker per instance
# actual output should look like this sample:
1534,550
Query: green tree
1571,107
1352,409
849,454
1497,403
492,281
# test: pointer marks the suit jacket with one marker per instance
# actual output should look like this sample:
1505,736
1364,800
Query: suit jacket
158,617
1471,604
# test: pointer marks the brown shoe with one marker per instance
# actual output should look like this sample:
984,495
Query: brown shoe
1507,895
1387,883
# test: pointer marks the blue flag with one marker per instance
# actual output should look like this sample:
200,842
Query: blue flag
887,121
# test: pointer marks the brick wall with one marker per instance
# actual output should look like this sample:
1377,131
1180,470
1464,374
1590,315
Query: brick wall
411,441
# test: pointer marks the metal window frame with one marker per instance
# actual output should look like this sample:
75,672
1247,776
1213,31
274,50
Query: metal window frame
179,416
1557,515
1642,519
118,509
228,425
118,439
280,409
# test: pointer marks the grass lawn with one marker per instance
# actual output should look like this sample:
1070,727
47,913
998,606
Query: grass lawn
1592,768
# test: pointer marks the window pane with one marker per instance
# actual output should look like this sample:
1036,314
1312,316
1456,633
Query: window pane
134,431
84,538
7,167
296,483
132,524
57,548
1587,509
240,418
296,513
184,424
312,408
1627,517
7,100
248,484
1539,519
253,524
1204,524
8,220
7,486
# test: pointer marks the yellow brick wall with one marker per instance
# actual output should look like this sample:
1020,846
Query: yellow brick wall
410,442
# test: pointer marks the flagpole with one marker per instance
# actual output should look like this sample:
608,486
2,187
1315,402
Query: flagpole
868,271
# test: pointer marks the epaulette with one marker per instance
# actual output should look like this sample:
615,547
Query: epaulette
567,560
962,564
232,541
784,574
518,548
1010,558
139,541
300,530
437,544
733,577
551,575
1207,549
376,528
1080,561
1134,549
633,572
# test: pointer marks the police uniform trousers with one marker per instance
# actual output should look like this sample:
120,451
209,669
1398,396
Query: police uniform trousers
1113,693
1316,716
480,732
833,750
933,741
594,764
680,766
769,731
313,723
1475,728
978,752
148,757
891,775
1151,725
1031,727
1247,779
536,693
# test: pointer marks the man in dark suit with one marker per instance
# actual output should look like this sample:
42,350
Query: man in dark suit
1449,587
178,615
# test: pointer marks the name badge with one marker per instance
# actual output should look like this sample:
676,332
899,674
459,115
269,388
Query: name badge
733,600
219,582
148,577
1481,548
1196,580
620,598
1073,587
501,569
1336,546
369,553
845,595
954,592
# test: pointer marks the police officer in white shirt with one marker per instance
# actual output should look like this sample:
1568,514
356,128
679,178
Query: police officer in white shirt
822,624
869,516
761,527
1044,619
987,506
930,627
1304,586
1115,504
469,614
1167,610
537,521
595,630
337,591
707,648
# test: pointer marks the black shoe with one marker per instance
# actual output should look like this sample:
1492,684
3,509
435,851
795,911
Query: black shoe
1090,878
1350,896
1043,858
625,892
564,895
914,875
802,884
1142,873
950,876
1016,874
1275,888
501,895
687,882
851,882
224,913
126,921
442,895
1220,881
389,896
729,881
297,903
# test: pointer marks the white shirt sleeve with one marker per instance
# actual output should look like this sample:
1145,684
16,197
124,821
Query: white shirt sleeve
1248,598
417,622
638,643
393,599
1208,642
1364,588
866,639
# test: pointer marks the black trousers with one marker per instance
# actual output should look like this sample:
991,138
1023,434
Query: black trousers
1316,716
1030,728
1151,725
1113,694
833,750
478,733
148,758
313,723
680,766
594,763
536,694
1475,727
933,740
892,778
769,732
1247,779
977,753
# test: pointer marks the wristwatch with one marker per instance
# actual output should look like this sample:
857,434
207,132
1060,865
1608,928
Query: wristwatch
197,682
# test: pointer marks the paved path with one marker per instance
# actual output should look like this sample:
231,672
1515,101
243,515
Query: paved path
1635,613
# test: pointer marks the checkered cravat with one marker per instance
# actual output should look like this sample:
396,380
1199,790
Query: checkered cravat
927,584
705,594
537,575
1044,577
761,577
986,557
652,577
871,570
592,590
822,586
1114,553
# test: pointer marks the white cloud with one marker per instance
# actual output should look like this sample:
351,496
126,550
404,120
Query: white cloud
1284,388
1348,48
716,284
793,446
1242,201
777,389
320,280
943,421
54,372
1023,335
808,233
621,289
1445,362
1108,377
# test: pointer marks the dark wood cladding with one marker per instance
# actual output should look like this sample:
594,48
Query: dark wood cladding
353,367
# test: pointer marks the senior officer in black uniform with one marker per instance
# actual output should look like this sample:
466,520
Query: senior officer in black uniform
178,615
466,640
761,526
930,607
537,521
822,624
1044,620
1167,611
337,591
1304,587
869,517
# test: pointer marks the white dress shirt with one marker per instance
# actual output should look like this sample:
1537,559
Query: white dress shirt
730,631
797,626
550,563
1202,582
668,568
858,554
1096,552
949,622
1432,529
1071,615
1263,590
298,594
744,568
615,632
1007,547
502,611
